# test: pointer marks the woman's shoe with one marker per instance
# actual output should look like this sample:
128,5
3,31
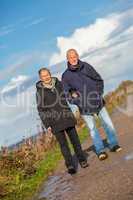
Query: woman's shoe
71,170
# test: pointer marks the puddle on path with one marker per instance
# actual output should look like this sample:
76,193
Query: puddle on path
129,156
61,187
57,187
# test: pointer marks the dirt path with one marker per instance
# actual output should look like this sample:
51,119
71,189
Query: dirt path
111,179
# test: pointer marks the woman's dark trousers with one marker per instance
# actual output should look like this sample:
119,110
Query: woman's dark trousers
74,139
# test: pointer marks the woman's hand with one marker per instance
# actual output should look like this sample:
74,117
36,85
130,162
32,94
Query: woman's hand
49,131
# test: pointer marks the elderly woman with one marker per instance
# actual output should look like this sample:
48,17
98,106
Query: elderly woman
58,118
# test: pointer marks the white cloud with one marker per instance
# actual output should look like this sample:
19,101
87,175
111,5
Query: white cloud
13,108
21,61
116,57
35,22
14,83
92,37
6,31
107,45
18,116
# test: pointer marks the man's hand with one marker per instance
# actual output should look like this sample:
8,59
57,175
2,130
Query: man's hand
74,95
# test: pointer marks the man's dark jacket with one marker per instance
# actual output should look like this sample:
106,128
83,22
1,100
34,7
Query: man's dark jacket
87,83
53,108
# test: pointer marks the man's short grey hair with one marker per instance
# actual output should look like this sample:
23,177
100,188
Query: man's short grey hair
71,50
44,69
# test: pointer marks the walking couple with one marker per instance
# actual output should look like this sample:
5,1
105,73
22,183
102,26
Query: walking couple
81,85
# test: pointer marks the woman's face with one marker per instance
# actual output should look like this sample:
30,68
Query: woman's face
45,76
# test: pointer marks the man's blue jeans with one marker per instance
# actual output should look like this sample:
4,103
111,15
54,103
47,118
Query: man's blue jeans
108,127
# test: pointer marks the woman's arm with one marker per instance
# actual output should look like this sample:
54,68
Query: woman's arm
41,110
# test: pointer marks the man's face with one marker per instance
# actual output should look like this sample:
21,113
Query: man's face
72,58
45,76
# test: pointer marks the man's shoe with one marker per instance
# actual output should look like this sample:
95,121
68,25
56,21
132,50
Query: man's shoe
102,156
71,170
84,164
116,148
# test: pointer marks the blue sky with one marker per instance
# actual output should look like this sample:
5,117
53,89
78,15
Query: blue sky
35,33
31,26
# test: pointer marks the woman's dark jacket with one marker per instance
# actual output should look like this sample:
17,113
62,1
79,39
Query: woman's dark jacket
53,108
87,83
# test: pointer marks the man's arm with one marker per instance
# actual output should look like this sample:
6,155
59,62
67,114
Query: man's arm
66,85
68,91
93,74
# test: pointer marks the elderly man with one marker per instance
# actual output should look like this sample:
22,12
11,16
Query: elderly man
84,87
58,118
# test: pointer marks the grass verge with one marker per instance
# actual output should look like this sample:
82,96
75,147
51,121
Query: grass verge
25,189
